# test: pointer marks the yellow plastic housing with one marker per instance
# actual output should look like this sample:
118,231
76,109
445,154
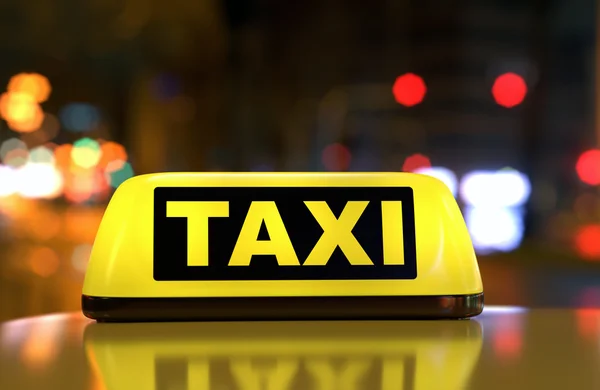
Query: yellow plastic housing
122,259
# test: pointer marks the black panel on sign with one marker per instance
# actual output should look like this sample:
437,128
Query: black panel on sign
170,234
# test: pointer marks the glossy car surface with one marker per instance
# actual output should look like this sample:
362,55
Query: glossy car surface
504,348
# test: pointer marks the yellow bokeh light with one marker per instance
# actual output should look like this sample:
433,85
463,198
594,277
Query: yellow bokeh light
85,158
21,112
28,126
32,84
17,106
86,154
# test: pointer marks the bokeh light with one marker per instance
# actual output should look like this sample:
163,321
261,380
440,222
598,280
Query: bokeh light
21,112
32,84
509,90
17,158
587,242
443,174
62,156
38,180
41,154
588,167
416,161
81,223
43,261
588,319
81,190
504,188
8,181
493,215
9,145
336,157
79,117
86,153
494,229
81,186
117,172
409,89
114,154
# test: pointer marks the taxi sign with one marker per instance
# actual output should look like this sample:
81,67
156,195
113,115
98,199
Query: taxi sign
360,355
194,246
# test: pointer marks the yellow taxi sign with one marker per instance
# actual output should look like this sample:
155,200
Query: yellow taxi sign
287,245
369,355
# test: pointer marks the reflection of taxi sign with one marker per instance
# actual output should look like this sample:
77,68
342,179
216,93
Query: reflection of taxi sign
369,355
177,246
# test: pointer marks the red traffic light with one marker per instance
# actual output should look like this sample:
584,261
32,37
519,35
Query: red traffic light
509,90
409,89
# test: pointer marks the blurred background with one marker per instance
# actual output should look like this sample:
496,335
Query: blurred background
499,99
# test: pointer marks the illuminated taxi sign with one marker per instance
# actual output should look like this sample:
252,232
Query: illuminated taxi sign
284,233
290,245
285,355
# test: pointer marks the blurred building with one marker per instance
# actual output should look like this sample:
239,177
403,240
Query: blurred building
267,85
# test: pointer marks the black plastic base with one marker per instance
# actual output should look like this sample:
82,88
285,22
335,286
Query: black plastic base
281,308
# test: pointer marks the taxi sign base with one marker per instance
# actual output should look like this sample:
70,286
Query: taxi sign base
281,308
